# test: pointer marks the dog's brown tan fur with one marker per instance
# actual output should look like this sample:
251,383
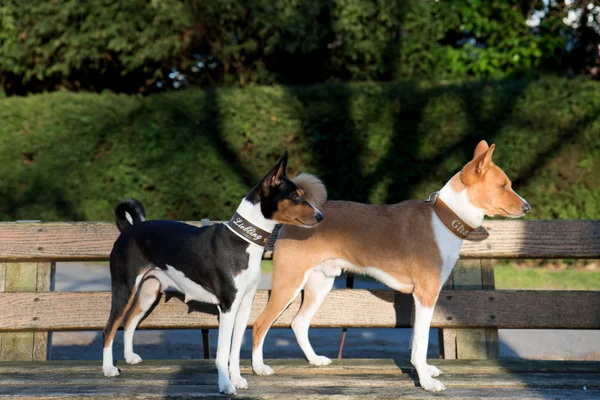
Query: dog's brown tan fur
394,243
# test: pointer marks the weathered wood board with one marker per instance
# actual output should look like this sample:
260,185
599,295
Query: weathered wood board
84,241
379,308
295,379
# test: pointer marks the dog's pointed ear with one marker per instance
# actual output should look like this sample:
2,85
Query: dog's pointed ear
274,177
484,161
480,149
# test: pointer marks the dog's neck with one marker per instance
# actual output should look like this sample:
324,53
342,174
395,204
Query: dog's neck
459,202
249,224
253,214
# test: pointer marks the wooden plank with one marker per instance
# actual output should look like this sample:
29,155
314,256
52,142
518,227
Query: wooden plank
535,239
21,277
59,241
2,285
300,388
293,366
376,308
447,340
85,241
488,282
16,346
2,276
470,343
373,379
343,379
447,336
18,277
475,343
41,340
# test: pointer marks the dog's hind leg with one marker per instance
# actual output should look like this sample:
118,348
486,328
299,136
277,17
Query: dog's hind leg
241,323
122,298
316,289
147,295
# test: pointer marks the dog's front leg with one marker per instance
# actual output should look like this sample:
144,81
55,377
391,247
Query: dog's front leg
423,316
226,323
241,323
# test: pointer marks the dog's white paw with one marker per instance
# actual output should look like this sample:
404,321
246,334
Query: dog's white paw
133,359
432,385
262,370
227,388
239,382
434,371
320,361
110,371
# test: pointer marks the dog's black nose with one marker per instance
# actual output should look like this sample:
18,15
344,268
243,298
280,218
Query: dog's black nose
526,208
319,217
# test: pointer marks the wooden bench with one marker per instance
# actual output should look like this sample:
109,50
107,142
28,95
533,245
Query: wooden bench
469,314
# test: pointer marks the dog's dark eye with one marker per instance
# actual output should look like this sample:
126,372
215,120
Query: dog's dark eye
505,185
295,197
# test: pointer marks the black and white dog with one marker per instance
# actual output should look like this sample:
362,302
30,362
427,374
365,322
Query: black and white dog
218,264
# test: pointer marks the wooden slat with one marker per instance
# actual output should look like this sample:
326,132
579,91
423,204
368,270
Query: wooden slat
379,308
18,277
312,379
2,285
447,336
25,277
534,239
41,349
85,241
346,366
16,346
2,276
166,390
475,343
21,277
470,343
295,379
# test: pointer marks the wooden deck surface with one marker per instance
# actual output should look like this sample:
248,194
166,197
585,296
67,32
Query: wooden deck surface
295,379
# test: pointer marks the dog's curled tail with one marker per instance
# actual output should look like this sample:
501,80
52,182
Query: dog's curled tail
129,212
314,190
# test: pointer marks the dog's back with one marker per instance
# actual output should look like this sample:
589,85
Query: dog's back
390,237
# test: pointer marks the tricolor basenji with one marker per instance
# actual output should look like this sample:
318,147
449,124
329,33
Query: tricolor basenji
410,246
218,264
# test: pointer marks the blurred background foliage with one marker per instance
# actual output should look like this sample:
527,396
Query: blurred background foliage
185,103
143,46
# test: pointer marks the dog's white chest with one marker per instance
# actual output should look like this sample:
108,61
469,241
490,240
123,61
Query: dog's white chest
251,276
449,246
189,288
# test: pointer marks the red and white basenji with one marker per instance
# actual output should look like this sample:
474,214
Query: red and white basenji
410,246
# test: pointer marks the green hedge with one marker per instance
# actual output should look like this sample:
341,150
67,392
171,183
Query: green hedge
194,154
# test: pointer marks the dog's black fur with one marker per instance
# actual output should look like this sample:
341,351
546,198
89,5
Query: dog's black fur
210,256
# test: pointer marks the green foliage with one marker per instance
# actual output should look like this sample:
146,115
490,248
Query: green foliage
134,45
90,45
471,38
193,154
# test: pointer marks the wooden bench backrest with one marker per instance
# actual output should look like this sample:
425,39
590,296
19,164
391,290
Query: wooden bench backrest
27,251
88,241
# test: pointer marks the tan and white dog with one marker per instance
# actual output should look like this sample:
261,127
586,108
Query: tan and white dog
410,246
